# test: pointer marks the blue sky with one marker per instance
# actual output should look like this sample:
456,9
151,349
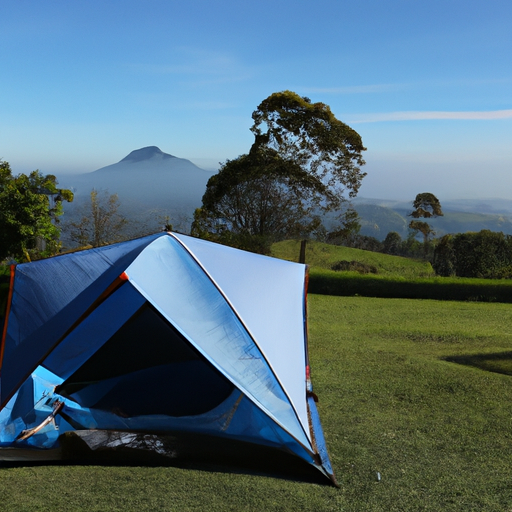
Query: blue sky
427,84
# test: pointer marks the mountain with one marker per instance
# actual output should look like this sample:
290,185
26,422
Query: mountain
148,183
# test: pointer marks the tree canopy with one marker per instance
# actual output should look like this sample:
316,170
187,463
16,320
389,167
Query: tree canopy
486,254
256,199
426,205
311,136
303,162
29,210
392,243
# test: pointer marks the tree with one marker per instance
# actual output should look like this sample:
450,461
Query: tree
486,254
392,243
30,207
367,243
426,205
256,199
348,231
100,223
310,135
411,247
444,257
302,163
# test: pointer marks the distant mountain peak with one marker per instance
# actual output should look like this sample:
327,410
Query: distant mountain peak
146,153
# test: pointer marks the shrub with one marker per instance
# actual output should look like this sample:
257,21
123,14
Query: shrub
485,254
354,266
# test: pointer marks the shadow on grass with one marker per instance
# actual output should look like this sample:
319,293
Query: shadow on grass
499,362
188,452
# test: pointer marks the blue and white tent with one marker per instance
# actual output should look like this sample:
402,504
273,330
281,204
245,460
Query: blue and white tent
166,334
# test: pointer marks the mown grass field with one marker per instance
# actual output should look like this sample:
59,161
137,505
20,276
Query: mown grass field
438,432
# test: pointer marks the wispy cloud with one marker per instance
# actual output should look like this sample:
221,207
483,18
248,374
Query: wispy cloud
199,66
354,89
397,87
488,115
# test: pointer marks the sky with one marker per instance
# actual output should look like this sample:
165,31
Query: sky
427,84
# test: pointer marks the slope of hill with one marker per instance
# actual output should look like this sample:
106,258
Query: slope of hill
323,256
378,221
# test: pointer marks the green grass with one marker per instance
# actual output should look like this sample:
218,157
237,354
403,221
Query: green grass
320,255
438,432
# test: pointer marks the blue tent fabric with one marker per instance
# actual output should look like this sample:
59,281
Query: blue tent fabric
283,309
94,331
49,296
184,294
237,418
154,335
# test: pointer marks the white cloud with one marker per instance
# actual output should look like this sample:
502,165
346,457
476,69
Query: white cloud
430,115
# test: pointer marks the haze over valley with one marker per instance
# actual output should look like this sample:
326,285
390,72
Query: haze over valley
155,187
151,185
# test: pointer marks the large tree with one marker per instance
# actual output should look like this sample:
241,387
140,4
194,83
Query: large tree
302,163
256,199
29,210
311,136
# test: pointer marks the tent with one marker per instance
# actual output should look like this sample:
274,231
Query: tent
167,344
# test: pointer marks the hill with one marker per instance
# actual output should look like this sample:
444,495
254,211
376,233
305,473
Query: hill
378,221
323,256
379,217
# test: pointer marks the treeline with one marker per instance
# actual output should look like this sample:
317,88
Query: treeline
393,244
485,254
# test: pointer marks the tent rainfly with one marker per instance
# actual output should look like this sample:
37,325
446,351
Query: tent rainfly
165,344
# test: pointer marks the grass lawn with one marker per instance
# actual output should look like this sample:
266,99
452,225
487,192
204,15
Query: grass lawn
438,432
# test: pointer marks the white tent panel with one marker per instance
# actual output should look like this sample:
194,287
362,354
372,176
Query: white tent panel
268,295
183,293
